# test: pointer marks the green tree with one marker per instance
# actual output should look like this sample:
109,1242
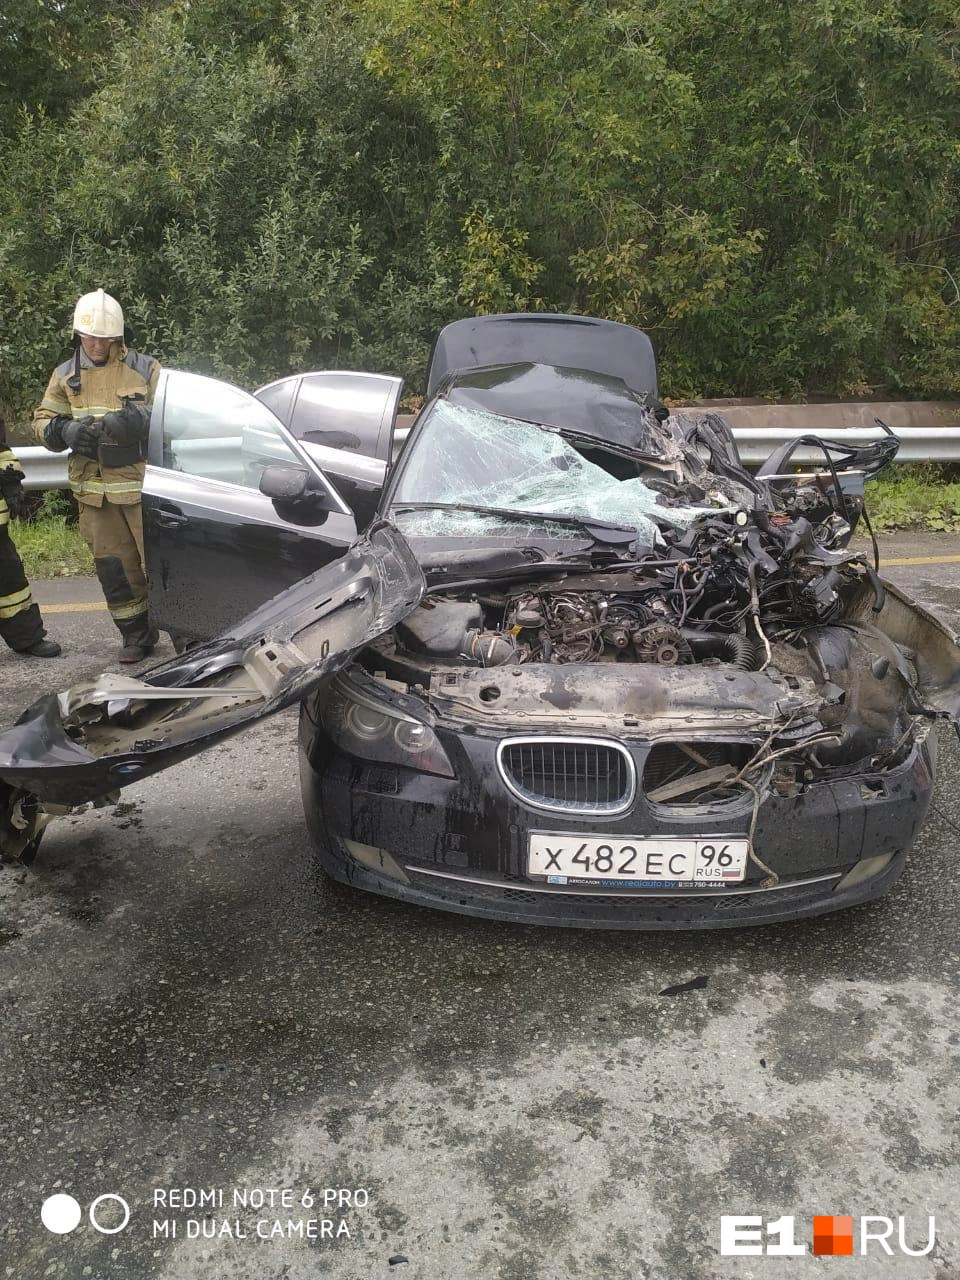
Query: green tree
263,215
769,189
51,52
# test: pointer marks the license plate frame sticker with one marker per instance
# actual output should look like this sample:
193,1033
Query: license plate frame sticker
640,862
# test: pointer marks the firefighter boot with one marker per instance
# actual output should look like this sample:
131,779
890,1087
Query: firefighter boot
44,649
138,641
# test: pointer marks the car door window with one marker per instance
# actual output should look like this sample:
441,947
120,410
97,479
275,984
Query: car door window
218,432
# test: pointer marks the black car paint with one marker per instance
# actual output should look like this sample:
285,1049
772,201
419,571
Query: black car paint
567,341
455,834
193,555
193,548
461,842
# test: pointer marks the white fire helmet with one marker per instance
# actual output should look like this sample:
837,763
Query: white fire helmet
97,315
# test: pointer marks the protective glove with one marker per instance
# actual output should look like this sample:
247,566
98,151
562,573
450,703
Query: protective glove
53,433
128,425
11,489
82,436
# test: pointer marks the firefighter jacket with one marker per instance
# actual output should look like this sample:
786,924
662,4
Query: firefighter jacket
20,623
7,459
79,389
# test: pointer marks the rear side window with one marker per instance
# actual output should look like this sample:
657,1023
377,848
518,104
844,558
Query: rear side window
279,398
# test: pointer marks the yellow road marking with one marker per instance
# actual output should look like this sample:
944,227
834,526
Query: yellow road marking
73,608
906,560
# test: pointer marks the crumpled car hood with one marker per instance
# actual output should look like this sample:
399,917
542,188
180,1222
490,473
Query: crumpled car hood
89,740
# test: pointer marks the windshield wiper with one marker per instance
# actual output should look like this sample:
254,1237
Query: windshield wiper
600,530
438,583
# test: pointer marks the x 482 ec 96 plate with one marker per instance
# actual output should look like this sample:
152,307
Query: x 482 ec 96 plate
643,863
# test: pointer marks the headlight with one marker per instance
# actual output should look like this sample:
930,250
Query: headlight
365,723
363,727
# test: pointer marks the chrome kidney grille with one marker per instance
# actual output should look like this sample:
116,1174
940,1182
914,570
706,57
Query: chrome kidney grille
569,775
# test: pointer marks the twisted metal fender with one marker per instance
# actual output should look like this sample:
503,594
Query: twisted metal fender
85,742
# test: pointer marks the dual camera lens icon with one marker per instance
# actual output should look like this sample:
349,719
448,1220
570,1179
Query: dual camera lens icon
61,1214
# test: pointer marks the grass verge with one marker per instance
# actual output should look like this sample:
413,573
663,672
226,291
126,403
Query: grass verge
922,495
51,548
49,541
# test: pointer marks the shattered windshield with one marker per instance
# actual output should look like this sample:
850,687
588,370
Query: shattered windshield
469,457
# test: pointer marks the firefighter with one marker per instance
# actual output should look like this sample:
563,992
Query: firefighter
20,623
97,405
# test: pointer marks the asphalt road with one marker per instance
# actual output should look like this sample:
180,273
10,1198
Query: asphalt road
188,1007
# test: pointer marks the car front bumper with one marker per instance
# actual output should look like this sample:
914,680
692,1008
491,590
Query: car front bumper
460,844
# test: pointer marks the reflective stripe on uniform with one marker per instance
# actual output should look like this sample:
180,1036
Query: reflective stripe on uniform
105,486
123,612
9,459
91,410
15,603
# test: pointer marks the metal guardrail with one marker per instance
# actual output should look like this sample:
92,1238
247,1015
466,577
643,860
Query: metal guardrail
45,470
917,444
41,468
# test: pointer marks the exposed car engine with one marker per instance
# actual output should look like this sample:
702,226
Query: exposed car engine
721,590
768,587
720,593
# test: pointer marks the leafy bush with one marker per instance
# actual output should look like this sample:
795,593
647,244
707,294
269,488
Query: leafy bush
770,191
262,215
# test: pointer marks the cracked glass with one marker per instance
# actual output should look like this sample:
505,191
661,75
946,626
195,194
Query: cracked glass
474,458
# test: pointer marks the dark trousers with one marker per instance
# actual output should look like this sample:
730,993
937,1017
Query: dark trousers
20,623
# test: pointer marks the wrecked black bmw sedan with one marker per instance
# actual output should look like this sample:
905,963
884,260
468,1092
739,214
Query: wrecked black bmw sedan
582,668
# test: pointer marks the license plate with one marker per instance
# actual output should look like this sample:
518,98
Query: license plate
647,862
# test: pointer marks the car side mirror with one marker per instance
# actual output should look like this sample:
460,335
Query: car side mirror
296,495
284,484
